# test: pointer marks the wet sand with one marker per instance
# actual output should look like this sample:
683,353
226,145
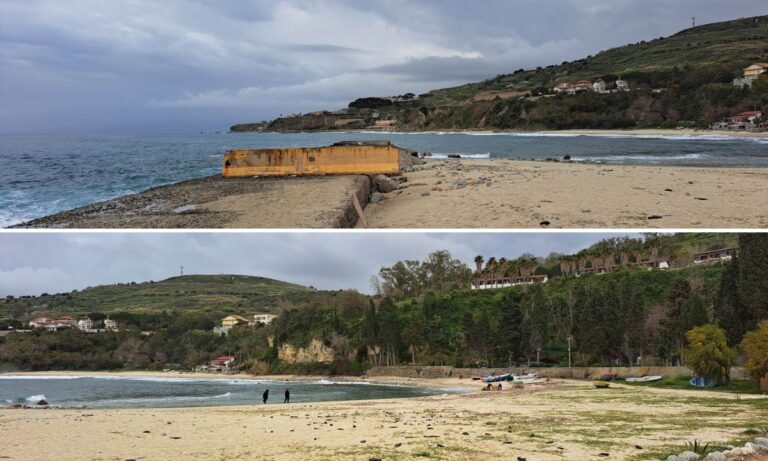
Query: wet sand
500,193
556,420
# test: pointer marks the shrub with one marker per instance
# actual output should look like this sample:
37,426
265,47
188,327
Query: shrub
708,354
754,346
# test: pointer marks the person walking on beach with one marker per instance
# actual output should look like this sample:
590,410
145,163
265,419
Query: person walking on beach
265,396
287,396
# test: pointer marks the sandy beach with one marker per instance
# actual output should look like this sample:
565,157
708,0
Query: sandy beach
465,193
555,420
500,193
663,132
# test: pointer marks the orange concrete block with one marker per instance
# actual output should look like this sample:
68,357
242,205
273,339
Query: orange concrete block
340,158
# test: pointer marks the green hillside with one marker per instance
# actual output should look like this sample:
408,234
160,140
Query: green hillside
684,80
211,293
733,45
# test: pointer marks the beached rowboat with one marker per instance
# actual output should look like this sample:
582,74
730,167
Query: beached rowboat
698,381
643,379
601,384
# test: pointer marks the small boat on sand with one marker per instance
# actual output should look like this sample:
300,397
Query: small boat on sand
644,379
497,378
609,376
698,381
601,384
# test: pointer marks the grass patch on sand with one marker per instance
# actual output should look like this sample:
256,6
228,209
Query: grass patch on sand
740,386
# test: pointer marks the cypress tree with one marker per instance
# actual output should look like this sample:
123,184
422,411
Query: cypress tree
752,282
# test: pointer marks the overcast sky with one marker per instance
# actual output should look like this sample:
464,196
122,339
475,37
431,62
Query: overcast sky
35,263
188,65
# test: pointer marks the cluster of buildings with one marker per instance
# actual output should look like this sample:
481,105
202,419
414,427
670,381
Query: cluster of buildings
231,321
84,324
751,74
599,265
743,121
600,86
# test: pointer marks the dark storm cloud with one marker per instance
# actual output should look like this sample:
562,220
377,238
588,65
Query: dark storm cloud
60,262
89,65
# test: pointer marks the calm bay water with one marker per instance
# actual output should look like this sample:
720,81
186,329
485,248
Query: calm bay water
140,392
40,175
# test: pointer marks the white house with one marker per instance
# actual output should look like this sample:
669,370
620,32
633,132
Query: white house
110,324
599,86
622,85
263,319
85,324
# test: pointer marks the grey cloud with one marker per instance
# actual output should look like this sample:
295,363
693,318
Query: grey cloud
115,58
61,262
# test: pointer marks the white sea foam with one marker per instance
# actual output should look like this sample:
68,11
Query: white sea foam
178,398
440,155
36,398
640,158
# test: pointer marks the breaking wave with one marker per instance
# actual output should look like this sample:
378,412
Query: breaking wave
444,155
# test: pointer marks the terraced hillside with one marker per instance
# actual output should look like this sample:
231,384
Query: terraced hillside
732,44
213,293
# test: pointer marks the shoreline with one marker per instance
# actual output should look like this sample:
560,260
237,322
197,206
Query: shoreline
447,194
639,132
560,419
434,383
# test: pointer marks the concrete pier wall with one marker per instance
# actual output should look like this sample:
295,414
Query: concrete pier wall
342,158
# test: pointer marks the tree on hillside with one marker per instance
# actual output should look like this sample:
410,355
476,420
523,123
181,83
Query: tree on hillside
536,320
742,300
479,260
389,332
754,346
370,331
752,282
686,310
413,333
633,321
411,278
509,327
708,354
727,306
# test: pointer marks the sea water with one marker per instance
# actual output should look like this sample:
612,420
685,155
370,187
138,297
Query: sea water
41,175
70,391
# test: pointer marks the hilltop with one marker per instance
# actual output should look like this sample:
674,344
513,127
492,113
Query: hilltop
211,293
681,80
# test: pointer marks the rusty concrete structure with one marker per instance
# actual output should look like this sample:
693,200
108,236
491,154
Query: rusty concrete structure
347,157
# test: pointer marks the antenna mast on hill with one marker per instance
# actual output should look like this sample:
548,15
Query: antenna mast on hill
693,20
182,272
